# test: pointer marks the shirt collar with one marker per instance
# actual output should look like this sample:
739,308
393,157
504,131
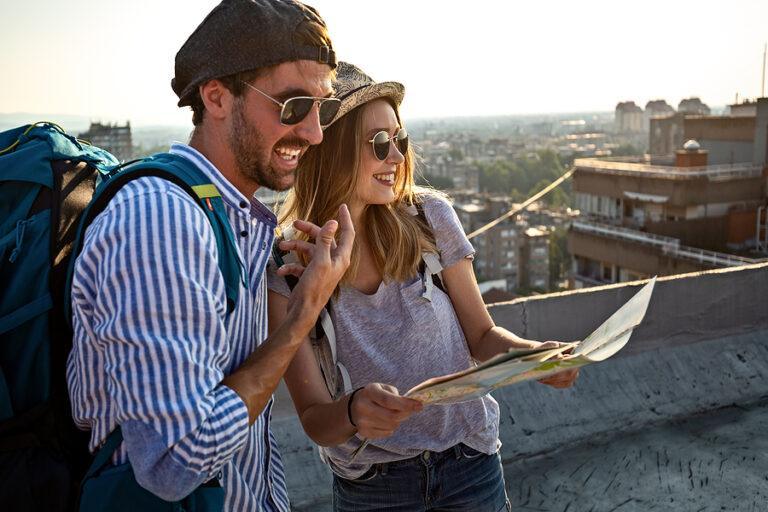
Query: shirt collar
231,196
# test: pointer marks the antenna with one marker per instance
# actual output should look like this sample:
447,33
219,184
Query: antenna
762,86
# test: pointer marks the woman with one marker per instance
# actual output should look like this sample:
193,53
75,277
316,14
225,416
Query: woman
393,328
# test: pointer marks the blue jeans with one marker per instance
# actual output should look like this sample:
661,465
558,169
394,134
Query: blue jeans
458,479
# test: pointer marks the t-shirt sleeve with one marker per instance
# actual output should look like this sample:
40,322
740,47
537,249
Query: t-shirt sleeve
451,240
276,283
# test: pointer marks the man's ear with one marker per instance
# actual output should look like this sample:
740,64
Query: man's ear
216,98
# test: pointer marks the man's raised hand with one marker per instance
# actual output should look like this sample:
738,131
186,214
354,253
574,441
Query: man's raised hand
328,261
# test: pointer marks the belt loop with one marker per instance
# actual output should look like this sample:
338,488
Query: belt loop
383,468
457,451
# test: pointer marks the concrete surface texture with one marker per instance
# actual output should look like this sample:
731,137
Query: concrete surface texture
709,462
673,422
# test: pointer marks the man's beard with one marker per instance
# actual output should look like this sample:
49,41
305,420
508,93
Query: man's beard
251,155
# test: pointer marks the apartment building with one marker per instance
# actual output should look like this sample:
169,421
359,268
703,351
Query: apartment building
628,118
112,137
702,207
515,251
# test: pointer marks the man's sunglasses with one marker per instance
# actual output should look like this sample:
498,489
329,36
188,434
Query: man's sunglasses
294,110
381,140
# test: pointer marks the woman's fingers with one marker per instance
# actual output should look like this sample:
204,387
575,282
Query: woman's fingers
374,433
378,410
564,379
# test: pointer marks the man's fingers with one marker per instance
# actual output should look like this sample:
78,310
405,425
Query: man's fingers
313,230
297,245
347,230
327,233
291,269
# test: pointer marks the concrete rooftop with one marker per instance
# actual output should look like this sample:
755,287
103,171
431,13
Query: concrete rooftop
675,421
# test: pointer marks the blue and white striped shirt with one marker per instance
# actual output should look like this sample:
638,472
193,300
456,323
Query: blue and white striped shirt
152,341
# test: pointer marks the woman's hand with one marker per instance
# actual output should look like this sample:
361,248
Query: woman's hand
564,379
378,409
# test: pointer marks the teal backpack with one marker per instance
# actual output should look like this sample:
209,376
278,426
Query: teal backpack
51,187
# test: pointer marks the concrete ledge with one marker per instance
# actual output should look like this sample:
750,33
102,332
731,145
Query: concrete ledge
703,346
685,308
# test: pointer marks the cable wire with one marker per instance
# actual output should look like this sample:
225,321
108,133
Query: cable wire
524,205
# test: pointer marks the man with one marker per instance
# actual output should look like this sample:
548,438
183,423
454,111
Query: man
156,352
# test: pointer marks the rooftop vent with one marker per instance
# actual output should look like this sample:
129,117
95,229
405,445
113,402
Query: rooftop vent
692,146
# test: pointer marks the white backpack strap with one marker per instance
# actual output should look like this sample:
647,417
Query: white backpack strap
432,262
330,334
325,348
432,267
330,337
426,280
345,379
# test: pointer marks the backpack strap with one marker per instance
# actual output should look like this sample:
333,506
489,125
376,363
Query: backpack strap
430,267
323,338
104,454
192,180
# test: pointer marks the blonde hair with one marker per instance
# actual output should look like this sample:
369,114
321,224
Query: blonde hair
327,177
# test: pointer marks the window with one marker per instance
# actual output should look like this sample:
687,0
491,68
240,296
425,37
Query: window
607,272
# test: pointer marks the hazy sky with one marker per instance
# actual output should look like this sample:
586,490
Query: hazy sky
113,59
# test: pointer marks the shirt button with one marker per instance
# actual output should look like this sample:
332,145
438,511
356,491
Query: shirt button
426,455
243,233
243,204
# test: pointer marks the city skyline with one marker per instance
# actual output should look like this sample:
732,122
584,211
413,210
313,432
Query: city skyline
113,61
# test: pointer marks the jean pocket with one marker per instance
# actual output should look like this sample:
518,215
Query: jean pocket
372,473
470,453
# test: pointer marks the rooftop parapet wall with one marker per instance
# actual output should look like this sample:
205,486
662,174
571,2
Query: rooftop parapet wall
703,345
746,186
638,167
685,308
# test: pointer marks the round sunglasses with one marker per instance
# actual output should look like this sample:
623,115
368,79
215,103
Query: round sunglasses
294,110
381,141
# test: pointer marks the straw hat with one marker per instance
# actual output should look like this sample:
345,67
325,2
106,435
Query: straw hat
354,88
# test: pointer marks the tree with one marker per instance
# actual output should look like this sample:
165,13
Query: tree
456,155
559,257
432,180
626,150
526,174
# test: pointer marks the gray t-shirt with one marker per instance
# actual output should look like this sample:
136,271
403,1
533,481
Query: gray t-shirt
395,336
